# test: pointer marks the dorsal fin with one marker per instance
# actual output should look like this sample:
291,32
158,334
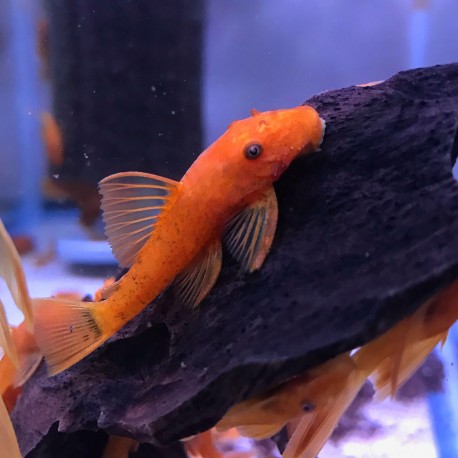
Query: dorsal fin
131,205
250,233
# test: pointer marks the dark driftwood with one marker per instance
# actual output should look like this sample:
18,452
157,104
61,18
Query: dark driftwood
368,230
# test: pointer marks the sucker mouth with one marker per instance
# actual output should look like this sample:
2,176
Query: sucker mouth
323,130
315,147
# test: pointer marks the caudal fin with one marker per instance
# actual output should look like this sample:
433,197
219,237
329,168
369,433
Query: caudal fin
8,441
66,331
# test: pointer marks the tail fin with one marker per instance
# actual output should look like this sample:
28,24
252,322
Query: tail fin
66,331
8,441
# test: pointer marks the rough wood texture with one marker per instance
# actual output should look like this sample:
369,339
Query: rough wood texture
368,230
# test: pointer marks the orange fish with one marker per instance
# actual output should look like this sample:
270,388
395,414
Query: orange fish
52,139
309,433
19,359
202,446
29,356
8,441
315,390
17,366
205,445
331,387
389,359
11,271
170,232
400,351
43,46
12,379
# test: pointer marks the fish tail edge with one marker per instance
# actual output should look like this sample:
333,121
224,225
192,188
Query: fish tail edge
66,331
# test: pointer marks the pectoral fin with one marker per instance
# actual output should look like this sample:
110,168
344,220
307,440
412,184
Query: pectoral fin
131,205
196,281
250,233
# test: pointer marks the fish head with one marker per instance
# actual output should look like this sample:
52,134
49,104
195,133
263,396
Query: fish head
262,147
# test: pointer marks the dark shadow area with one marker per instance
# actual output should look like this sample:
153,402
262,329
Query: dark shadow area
124,354
81,444
454,150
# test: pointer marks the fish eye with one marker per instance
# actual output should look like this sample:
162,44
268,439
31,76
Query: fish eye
253,151
308,407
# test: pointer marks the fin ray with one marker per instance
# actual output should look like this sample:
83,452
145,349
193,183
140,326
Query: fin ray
311,435
412,357
6,339
196,281
13,274
66,331
131,204
28,364
250,233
